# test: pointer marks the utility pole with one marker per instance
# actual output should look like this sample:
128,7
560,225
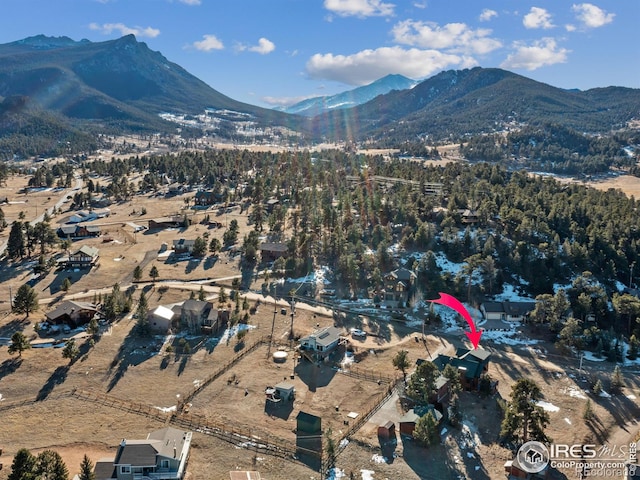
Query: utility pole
633,264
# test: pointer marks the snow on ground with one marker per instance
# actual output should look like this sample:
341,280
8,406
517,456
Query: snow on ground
379,459
230,332
347,360
592,357
1,397
167,409
509,294
335,473
469,437
367,474
547,407
577,393
604,394
631,396
317,276
513,337
447,265
567,420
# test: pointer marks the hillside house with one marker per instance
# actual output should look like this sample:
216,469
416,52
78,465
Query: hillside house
515,471
270,252
161,223
84,257
73,232
183,246
207,198
160,319
200,316
410,419
471,364
72,313
507,311
163,455
321,342
398,286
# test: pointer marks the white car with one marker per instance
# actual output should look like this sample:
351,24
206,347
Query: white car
356,333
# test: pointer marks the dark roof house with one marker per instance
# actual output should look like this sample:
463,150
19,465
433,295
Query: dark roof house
72,313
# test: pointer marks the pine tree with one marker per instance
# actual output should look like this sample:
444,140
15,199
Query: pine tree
19,343
201,295
137,273
597,387
617,381
23,466
401,362
142,313
153,273
50,466
26,300
70,350
66,285
524,420
86,469
426,431
16,245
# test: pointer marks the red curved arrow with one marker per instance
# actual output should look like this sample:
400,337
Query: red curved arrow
454,303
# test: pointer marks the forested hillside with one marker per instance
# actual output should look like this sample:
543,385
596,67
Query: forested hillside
526,230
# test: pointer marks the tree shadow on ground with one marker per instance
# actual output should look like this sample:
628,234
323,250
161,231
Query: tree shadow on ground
74,276
210,262
16,325
9,366
58,377
133,351
388,447
192,264
315,375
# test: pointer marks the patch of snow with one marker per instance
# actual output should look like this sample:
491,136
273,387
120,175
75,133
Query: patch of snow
317,276
469,438
604,394
1,398
446,265
577,393
167,409
547,407
379,459
592,357
509,294
443,431
335,473
367,474
631,396
513,337
470,455
347,360
567,420
343,443
230,332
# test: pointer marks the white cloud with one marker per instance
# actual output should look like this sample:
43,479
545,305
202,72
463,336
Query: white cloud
264,47
540,53
457,37
537,18
592,16
108,28
286,101
208,43
369,65
570,28
487,14
359,8
191,2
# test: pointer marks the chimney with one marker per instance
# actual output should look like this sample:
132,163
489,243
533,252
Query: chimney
123,443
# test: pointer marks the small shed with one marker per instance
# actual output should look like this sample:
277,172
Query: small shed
286,391
387,430
160,319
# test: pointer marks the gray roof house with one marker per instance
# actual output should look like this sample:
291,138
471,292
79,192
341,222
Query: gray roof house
162,455
321,342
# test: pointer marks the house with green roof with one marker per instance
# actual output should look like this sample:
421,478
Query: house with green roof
470,363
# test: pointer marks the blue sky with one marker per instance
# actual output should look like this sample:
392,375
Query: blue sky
275,52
